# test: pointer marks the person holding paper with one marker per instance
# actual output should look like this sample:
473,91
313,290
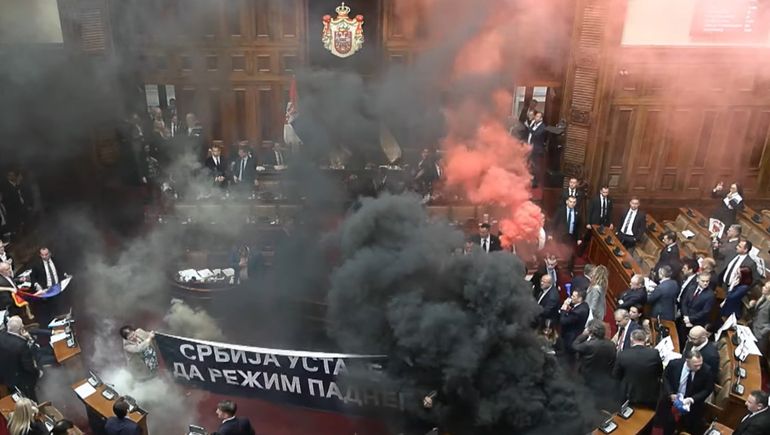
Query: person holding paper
740,284
140,353
729,203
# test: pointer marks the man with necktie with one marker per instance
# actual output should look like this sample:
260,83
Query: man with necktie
600,209
217,167
572,189
549,300
244,169
566,227
757,421
696,307
632,224
45,272
622,338
688,381
485,240
741,259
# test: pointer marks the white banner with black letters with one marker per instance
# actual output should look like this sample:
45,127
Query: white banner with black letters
308,379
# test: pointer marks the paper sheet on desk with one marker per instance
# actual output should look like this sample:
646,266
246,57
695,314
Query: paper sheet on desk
85,390
189,274
729,323
748,340
58,337
688,234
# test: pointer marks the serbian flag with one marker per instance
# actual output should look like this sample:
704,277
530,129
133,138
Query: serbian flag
50,292
289,135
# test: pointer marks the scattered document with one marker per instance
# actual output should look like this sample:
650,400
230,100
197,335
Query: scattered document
688,234
729,323
205,273
229,272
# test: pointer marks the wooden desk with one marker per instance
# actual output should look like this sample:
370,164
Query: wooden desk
641,418
735,408
600,251
61,351
99,405
7,405
698,224
671,333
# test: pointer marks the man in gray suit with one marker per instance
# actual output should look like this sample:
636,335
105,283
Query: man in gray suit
760,324
663,298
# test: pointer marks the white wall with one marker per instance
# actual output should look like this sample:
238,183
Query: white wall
29,21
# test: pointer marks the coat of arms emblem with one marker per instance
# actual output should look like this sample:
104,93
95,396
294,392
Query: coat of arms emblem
343,36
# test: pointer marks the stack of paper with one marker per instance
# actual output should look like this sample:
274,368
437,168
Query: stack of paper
85,390
189,275
205,273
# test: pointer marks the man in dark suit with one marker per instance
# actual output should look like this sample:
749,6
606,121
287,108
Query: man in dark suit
217,167
583,281
663,298
15,201
696,309
596,356
632,226
622,338
485,240
573,316
636,295
687,380
17,365
536,136
639,368
549,300
45,271
698,339
120,424
274,156
689,282
244,169
741,259
600,209
566,224
566,228
669,256
757,421
232,425
573,190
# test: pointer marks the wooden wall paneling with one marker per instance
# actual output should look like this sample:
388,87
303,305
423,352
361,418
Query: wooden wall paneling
290,18
646,148
618,144
263,23
697,180
754,149
675,148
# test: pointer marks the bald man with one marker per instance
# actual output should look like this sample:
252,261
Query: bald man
698,339
17,366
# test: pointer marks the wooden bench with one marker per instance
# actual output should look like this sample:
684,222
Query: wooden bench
694,221
606,249
727,406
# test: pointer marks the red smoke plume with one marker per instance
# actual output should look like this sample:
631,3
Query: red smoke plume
489,164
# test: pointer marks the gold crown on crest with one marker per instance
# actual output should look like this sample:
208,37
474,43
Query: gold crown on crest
342,10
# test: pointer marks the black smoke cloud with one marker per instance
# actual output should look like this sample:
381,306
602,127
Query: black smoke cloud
452,323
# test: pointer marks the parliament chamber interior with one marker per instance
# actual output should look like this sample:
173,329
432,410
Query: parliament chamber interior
384,217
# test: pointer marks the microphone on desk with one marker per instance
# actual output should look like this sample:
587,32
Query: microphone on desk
608,425
740,372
